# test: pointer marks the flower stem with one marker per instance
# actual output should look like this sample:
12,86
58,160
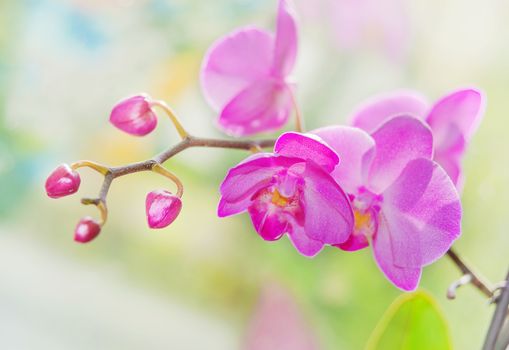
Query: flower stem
93,165
155,164
299,121
158,168
475,279
173,117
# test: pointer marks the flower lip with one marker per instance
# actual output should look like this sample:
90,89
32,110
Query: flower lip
366,207
63,181
279,200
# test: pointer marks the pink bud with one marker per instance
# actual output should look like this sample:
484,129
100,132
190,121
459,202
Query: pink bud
162,208
134,115
86,230
63,181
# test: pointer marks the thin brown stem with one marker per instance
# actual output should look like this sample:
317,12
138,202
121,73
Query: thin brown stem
188,142
155,164
100,201
475,279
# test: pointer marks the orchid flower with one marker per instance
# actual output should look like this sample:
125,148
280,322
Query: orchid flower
291,191
404,203
245,76
453,120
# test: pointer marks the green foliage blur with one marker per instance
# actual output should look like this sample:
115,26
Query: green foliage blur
64,64
412,322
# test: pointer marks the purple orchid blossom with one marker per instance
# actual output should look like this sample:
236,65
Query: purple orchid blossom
404,203
291,191
453,119
245,76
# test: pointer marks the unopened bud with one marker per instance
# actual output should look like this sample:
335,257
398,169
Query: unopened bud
86,230
63,181
162,208
134,115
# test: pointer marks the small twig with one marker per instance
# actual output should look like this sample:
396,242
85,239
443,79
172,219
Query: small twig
497,291
497,321
100,201
475,279
451,291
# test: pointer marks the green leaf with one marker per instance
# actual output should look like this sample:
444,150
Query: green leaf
414,322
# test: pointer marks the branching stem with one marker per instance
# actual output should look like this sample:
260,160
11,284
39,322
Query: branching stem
475,279
155,164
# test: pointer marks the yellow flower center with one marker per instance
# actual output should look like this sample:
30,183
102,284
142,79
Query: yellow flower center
279,200
364,222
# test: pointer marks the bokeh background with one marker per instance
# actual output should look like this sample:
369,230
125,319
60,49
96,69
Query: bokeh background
196,284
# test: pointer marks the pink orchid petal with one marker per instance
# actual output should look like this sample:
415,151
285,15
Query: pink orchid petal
263,106
452,165
247,178
303,243
270,224
307,146
354,243
405,278
278,323
422,212
328,214
234,62
377,110
354,146
285,51
462,109
398,141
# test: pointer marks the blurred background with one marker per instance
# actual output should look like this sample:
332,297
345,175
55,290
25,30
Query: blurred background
203,282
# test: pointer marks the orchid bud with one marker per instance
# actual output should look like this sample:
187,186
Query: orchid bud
63,181
162,208
134,115
86,230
